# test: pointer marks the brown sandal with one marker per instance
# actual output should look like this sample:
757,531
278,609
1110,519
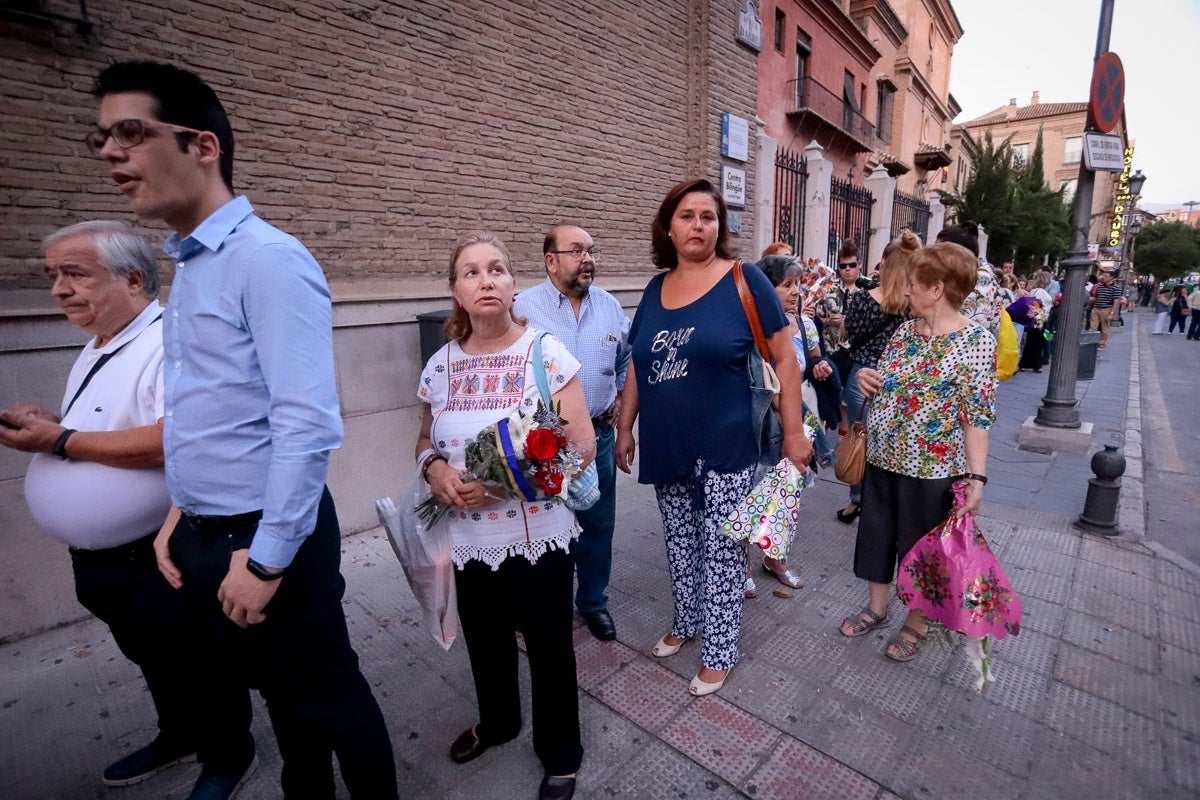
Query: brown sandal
865,622
908,648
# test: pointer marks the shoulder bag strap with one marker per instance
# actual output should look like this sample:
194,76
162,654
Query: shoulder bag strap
760,340
539,369
100,362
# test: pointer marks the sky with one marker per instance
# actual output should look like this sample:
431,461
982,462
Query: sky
1016,47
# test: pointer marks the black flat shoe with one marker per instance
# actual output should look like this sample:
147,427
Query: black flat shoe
601,624
467,747
553,788
853,515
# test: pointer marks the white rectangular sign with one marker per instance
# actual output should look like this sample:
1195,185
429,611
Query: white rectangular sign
1103,152
733,186
735,136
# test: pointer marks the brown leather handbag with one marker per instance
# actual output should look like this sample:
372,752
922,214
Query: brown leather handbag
851,453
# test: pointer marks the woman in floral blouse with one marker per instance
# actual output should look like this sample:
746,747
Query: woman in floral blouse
934,395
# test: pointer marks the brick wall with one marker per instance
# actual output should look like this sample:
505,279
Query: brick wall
377,133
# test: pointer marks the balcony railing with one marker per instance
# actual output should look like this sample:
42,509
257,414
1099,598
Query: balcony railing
810,97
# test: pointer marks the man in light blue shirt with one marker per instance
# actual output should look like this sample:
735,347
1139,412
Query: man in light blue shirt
251,414
594,327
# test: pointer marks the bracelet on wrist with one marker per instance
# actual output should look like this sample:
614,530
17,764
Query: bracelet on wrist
261,572
429,462
972,476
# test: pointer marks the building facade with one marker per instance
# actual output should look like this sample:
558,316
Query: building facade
1061,126
378,135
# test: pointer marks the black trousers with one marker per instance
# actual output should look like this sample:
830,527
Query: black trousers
896,512
536,599
198,704
299,658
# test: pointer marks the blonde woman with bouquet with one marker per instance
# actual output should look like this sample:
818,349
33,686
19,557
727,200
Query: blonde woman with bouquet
513,565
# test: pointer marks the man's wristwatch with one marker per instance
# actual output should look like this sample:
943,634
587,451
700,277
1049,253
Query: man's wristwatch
262,573
60,447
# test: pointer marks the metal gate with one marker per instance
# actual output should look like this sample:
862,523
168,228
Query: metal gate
791,179
849,218
912,212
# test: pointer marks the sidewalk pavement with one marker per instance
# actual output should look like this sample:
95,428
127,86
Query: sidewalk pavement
1098,697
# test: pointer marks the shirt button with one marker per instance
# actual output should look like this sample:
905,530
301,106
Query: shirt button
181,265
174,313
178,364
169,413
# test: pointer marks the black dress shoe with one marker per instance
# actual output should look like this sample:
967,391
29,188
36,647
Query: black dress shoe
601,624
466,747
556,788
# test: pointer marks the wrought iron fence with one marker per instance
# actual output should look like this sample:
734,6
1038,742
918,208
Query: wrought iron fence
849,217
910,211
791,180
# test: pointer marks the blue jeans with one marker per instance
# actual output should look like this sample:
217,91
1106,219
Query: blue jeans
593,550
854,402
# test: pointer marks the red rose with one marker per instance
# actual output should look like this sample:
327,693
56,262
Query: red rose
540,445
549,478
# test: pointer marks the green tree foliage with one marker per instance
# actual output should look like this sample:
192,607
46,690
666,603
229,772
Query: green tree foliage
1167,249
1024,219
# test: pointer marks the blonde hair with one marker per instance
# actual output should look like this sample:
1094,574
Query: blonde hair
893,278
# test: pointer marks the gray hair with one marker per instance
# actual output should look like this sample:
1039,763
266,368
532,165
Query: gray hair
121,251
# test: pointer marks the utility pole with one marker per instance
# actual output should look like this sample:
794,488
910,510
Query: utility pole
1060,407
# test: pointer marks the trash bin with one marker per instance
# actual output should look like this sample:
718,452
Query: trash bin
430,325
1089,344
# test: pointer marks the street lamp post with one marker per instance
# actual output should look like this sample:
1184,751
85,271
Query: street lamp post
1132,224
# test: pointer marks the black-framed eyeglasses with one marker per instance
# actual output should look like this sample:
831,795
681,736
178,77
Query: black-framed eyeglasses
129,133
846,265
578,253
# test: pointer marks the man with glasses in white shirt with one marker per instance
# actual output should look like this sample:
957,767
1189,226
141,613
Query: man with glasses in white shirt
594,327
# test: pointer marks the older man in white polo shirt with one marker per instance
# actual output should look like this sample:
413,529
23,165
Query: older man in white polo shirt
96,484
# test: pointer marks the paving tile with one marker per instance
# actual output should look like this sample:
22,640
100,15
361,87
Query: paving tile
1182,753
958,717
1013,687
1041,615
1030,649
610,743
659,772
1179,602
836,724
817,655
1068,768
1180,666
1137,585
1101,636
1098,601
1178,578
1051,541
1052,588
1180,632
596,661
1105,726
773,693
643,693
795,770
1128,687
721,737
887,686
932,768
1105,551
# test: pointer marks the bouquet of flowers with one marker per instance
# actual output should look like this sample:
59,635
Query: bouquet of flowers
525,456
1039,314
952,576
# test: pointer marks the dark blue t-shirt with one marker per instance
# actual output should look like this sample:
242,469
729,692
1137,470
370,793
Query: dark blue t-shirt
693,387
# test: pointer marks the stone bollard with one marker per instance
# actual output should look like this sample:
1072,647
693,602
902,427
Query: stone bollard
1104,493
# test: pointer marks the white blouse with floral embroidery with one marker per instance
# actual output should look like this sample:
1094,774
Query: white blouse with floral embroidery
466,393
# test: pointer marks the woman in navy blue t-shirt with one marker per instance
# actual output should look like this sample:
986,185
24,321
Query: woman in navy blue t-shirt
691,340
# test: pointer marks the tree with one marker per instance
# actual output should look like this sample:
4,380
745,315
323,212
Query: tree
1024,219
1167,249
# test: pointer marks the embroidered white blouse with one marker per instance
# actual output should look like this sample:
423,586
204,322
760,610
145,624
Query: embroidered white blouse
466,393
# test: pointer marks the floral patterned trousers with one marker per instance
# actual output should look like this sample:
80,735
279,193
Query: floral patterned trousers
708,568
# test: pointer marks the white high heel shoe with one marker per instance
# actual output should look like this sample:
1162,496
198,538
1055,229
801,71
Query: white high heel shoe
699,688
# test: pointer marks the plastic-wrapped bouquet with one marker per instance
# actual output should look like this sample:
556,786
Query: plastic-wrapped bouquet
525,456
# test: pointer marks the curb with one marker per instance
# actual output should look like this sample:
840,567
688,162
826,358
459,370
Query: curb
1131,513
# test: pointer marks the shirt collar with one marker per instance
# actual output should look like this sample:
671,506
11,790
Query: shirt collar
139,323
213,231
562,298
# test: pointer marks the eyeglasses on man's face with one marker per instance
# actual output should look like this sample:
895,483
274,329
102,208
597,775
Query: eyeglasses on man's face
129,133
578,253
842,265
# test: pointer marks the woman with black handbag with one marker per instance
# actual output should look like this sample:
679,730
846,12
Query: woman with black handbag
689,381
871,319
